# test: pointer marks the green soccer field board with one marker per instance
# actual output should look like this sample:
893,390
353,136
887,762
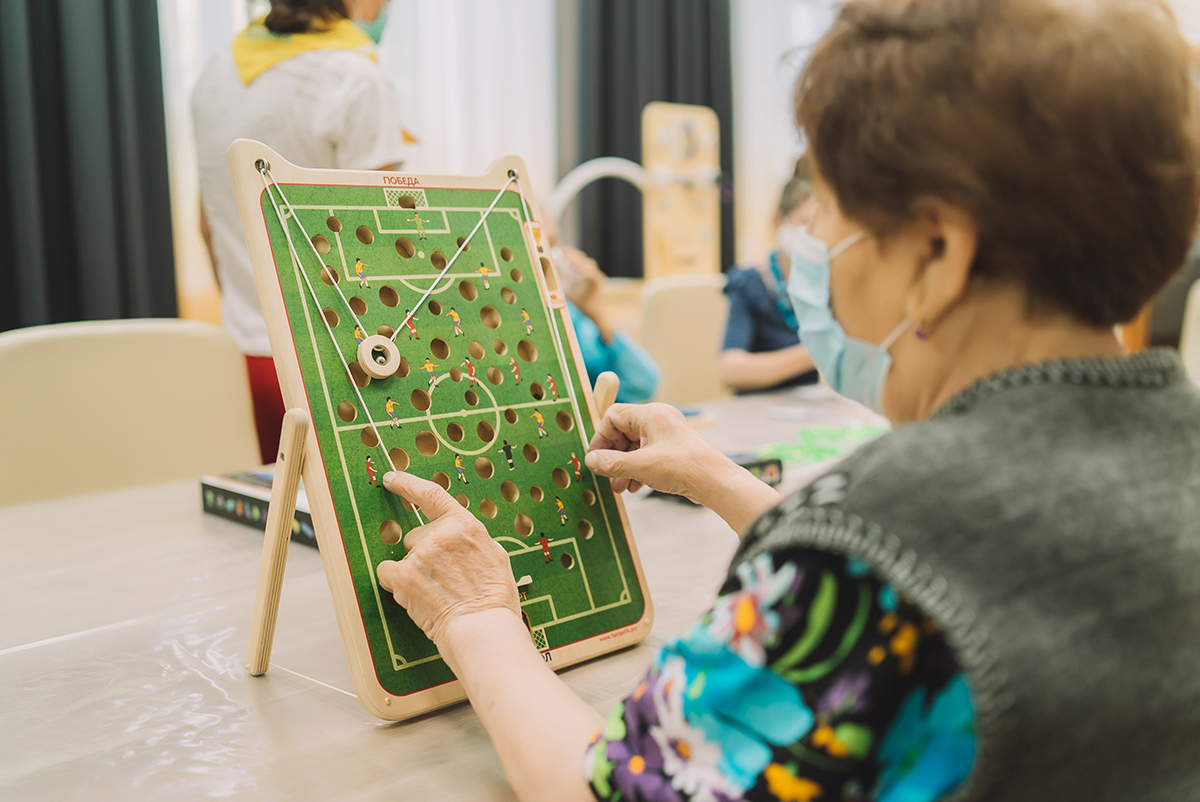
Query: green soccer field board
488,399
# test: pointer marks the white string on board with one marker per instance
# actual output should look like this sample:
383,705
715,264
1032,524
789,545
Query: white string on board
264,171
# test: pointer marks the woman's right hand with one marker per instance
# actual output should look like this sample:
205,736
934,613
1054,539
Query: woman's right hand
652,445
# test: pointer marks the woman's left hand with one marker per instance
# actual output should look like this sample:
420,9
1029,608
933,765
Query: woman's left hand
453,567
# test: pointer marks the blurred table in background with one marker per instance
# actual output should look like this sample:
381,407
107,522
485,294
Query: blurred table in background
126,619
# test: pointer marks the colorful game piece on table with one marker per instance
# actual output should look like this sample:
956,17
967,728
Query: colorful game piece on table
815,444
414,318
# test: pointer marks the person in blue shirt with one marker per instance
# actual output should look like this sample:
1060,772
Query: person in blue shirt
602,346
761,350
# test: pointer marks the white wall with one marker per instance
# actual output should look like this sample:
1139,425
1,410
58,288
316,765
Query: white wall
474,80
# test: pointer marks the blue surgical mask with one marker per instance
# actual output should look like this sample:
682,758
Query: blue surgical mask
854,368
374,28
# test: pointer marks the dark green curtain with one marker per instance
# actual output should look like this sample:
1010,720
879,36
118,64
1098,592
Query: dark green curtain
633,52
84,199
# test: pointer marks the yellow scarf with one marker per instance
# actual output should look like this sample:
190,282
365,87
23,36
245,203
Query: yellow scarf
257,49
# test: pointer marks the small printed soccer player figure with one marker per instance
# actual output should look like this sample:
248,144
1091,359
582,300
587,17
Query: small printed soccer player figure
470,366
390,406
428,368
545,544
516,369
553,387
541,422
575,464
562,512
360,270
458,466
409,321
371,473
528,325
416,218
483,271
454,316
359,335
506,449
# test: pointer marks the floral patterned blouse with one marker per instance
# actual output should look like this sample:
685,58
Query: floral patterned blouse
809,679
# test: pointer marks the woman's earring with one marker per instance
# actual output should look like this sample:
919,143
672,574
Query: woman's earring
921,335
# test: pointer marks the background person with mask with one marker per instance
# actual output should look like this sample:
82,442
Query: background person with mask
305,81
762,350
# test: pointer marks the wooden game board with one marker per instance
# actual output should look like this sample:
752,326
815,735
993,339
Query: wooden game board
588,594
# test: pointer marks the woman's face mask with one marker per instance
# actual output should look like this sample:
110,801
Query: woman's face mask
855,369
374,28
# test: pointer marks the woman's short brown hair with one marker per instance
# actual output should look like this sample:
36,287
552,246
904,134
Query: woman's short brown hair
1068,131
300,16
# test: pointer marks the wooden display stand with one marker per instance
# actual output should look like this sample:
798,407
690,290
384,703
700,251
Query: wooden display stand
416,324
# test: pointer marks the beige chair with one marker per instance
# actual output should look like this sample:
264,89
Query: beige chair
1189,335
100,405
683,322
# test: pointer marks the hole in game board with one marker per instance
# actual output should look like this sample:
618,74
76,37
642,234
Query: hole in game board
380,355
475,349
515,275
438,260
500,347
462,243
562,480
527,351
331,317
585,530
509,492
333,224
385,331
568,561
510,415
365,235
427,443
399,458
408,505
468,290
358,305
402,371
321,243
369,436
390,532
589,498
486,431
420,400
470,397
536,493
548,272
330,276
441,479
506,254
405,247
358,375
490,317
495,376
530,451
523,524
507,295
435,307
462,499
407,202
487,508
455,375
347,411
484,467
439,348
389,296
537,391
455,432
564,420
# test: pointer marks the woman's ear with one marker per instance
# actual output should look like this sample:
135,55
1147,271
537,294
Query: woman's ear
946,240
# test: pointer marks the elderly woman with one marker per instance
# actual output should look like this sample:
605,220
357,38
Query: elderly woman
1000,599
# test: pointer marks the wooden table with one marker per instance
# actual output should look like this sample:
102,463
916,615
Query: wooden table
125,622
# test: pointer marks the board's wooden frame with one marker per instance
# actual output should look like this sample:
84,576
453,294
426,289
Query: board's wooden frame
242,156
